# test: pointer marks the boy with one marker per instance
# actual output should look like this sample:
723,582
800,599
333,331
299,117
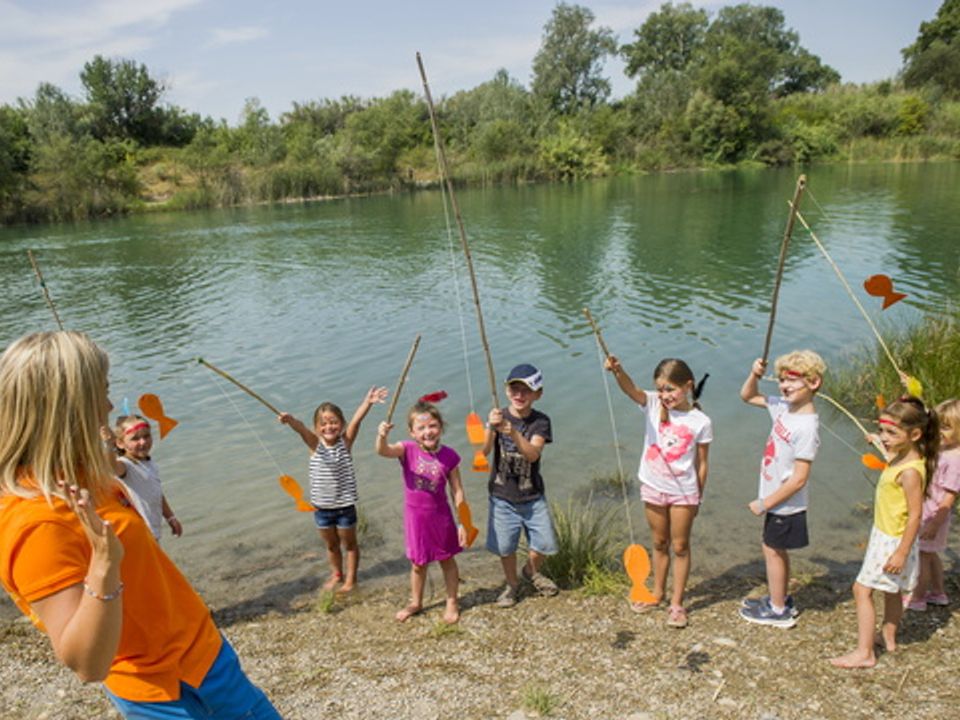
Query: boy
787,459
517,434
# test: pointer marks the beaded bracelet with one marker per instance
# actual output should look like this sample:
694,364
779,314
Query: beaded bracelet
105,598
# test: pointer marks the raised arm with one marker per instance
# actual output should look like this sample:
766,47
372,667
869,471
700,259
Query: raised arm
306,434
629,388
110,450
750,392
384,448
374,395
84,620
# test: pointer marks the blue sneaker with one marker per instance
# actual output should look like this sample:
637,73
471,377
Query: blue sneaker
763,614
755,602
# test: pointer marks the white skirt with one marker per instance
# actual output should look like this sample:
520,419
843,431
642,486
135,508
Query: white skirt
879,550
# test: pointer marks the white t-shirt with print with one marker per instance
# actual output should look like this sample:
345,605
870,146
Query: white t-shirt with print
668,464
794,436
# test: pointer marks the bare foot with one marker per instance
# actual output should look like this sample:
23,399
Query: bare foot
332,581
854,660
881,642
451,616
408,612
346,587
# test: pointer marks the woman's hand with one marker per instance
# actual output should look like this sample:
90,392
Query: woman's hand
106,546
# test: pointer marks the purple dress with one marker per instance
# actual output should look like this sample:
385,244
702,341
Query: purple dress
428,525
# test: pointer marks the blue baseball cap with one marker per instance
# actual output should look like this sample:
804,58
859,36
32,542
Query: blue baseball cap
528,375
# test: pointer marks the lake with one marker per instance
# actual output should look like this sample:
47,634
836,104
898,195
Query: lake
311,302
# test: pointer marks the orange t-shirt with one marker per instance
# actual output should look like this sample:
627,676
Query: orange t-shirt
167,633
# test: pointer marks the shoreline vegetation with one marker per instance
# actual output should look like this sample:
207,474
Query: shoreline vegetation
733,89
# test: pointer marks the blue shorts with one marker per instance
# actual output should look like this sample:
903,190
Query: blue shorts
225,694
326,518
506,519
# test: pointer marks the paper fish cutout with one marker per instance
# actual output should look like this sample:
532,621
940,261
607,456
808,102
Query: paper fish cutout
293,489
880,401
882,286
480,463
475,431
151,406
434,397
466,519
914,387
637,563
125,406
872,461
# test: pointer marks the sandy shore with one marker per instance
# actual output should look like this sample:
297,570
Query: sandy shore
571,656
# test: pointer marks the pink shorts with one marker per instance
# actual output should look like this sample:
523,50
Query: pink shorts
661,499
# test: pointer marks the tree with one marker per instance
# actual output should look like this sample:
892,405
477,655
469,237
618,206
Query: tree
935,56
566,69
669,40
15,152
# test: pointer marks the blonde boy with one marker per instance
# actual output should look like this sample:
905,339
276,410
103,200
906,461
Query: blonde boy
784,474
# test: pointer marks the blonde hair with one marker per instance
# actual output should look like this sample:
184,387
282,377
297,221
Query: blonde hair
806,362
120,429
948,413
52,391
424,408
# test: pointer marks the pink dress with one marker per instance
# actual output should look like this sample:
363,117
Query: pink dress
429,528
945,479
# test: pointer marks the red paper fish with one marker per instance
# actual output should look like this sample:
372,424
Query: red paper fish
151,406
882,286
434,397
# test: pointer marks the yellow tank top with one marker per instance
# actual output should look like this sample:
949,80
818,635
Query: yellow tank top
890,504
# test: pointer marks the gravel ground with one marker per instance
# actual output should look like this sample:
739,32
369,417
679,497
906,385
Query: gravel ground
571,656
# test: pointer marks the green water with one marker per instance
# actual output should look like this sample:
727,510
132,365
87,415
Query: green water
306,303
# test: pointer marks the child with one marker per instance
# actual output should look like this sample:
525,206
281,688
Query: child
82,564
129,446
937,509
333,483
517,435
672,474
910,439
784,474
430,531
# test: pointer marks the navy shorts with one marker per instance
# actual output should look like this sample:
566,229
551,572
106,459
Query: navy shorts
326,518
785,532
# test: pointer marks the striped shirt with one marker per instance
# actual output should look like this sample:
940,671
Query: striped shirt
333,483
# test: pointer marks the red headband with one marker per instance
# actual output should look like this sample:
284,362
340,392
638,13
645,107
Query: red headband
793,374
137,426
884,421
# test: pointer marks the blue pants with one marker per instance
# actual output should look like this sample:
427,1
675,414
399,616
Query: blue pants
225,694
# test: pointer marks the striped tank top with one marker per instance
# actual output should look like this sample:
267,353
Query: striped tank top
333,483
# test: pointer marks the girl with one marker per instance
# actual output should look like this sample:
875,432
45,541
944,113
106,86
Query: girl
429,528
81,563
673,472
910,438
333,483
129,450
937,509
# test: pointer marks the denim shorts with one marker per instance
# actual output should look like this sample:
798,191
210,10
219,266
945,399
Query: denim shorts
345,517
226,692
506,520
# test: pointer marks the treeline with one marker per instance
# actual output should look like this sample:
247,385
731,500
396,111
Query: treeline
737,87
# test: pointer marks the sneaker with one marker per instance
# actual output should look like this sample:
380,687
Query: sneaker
544,585
756,602
940,599
508,598
677,617
763,614
916,605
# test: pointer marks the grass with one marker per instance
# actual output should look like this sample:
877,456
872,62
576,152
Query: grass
601,580
928,351
326,602
584,541
441,629
539,700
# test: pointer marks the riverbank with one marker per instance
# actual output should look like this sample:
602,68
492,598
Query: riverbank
571,656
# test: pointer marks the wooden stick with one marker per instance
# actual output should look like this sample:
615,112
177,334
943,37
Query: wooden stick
445,177
239,384
403,378
596,331
856,422
784,244
43,285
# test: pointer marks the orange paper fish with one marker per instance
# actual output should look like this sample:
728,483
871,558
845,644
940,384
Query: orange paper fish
637,563
466,519
293,489
882,286
151,406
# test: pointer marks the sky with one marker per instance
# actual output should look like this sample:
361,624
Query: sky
213,55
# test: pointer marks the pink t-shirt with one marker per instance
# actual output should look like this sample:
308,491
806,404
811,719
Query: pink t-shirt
946,479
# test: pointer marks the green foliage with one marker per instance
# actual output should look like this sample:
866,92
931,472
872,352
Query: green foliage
929,351
568,155
584,541
935,56
538,699
377,135
15,153
668,41
912,115
566,69
603,580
